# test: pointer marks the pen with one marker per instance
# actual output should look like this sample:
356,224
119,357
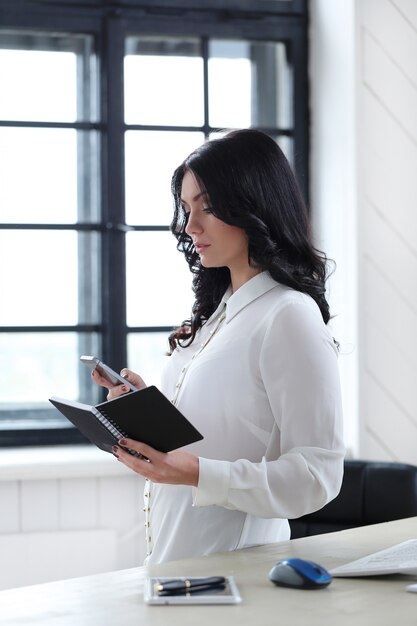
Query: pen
185,585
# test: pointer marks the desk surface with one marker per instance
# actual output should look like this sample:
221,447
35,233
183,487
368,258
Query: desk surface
116,597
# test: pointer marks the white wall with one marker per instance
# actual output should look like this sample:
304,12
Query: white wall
333,181
364,197
387,210
67,512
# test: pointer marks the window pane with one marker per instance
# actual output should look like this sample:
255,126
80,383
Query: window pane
39,274
287,146
89,278
158,280
249,84
39,175
39,81
229,70
163,81
151,158
147,354
36,366
38,86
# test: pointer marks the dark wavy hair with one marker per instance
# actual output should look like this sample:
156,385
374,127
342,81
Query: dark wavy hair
250,184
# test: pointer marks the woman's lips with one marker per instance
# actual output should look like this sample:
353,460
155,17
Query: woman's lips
200,247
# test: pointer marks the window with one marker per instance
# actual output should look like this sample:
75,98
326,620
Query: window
98,107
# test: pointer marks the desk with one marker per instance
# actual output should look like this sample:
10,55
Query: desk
116,597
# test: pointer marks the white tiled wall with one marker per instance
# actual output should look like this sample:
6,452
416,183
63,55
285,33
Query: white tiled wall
56,523
387,223
363,198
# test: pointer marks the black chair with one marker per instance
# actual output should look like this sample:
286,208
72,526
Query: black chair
372,492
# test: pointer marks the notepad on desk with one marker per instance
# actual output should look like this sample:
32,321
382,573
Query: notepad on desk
398,559
145,415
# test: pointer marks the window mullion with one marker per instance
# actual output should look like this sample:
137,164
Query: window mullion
86,202
299,54
205,55
113,195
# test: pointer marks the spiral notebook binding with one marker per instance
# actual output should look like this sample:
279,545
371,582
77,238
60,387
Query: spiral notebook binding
108,423
104,419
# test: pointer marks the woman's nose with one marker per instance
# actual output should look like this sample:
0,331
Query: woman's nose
193,225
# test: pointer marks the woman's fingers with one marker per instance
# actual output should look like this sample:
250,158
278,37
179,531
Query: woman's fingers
100,380
133,378
139,464
176,468
147,451
114,391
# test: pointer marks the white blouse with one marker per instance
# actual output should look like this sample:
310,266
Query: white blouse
261,384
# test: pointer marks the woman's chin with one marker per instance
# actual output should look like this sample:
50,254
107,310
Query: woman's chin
209,261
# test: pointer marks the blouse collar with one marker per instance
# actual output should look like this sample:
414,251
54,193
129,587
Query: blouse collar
247,293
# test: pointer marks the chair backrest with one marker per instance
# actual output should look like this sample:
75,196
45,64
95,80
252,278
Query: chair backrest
371,492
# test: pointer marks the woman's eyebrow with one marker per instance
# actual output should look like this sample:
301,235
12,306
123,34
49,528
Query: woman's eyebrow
202,193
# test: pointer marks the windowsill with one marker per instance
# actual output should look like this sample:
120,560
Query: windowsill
54,462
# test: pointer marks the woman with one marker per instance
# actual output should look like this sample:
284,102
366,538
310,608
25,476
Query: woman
254,369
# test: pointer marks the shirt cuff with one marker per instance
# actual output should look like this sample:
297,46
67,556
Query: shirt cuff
213,483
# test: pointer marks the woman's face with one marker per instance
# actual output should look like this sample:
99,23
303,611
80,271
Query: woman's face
218,244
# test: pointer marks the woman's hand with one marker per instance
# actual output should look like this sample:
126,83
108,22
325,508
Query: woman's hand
178,467
118,390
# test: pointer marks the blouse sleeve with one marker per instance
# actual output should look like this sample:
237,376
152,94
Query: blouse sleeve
298,365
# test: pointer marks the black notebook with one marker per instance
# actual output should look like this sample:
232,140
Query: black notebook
145,415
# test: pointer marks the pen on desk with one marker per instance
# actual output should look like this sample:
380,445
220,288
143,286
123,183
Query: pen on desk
184,585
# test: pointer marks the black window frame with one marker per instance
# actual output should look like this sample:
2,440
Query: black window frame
110,23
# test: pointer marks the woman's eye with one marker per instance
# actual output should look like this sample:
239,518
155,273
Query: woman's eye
208,210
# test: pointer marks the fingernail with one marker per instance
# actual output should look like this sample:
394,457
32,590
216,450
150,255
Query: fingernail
122,442
125,388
